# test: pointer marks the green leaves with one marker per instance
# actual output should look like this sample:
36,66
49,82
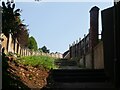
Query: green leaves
32,44
44,49
17,14
9,18
36,61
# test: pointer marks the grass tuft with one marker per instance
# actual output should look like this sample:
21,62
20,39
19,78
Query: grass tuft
38,61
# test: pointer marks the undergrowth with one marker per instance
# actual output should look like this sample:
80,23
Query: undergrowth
38,61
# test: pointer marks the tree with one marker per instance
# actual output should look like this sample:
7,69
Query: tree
40,50
32,44
9,22
45,50
23,38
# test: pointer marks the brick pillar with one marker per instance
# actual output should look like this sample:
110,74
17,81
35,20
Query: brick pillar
84,50
25,52
19,49
93,33
71,51
9,43
16,46
94,14
74,49
22,52
80,47
28,53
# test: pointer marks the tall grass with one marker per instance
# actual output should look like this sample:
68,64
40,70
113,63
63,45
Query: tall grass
36,61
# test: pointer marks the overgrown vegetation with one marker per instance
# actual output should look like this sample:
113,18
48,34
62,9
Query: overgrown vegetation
32,44
38,61
13,71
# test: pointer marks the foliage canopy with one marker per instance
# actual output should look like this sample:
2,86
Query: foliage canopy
32,44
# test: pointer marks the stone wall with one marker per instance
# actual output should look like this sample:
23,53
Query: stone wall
89,51
88,61
79,49
98,56
11,45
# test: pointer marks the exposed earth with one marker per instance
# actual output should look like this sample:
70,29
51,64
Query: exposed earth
20,77
23,77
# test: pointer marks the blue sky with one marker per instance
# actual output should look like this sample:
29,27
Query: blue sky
58,24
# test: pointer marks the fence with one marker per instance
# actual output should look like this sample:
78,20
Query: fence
13,46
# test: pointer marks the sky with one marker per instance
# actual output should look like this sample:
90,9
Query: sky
58,24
